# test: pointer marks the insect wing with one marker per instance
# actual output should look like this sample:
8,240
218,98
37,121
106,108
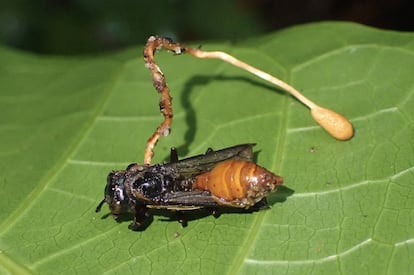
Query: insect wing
199,164
197,198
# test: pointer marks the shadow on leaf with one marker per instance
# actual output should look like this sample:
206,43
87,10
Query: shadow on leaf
190,112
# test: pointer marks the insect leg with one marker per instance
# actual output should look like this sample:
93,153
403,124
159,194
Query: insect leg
261,205
142,218
181,218
173,155
215,211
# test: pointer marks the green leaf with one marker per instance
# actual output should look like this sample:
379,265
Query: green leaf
66,122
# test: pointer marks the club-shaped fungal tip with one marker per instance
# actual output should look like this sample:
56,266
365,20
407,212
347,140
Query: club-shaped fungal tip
335,124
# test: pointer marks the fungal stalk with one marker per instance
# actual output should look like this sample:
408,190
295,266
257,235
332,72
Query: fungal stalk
334,123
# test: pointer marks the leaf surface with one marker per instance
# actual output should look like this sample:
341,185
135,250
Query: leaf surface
348,207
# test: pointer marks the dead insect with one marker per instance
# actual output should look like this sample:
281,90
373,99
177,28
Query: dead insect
223,178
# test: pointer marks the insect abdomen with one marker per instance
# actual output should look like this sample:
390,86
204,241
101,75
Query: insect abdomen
238,183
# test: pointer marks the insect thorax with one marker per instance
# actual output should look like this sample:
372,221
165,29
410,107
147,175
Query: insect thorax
155,182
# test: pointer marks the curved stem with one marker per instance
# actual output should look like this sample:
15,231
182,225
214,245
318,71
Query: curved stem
335,124
155,43
238,63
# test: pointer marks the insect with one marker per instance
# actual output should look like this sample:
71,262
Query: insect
215,179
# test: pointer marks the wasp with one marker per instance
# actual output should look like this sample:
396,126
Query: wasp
223,178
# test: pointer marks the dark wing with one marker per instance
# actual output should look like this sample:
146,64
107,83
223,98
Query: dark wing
199,164
196,198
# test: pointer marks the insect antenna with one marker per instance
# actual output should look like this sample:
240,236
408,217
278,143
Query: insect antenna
98,208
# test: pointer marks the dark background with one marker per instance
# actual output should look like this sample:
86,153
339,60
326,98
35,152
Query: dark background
93,26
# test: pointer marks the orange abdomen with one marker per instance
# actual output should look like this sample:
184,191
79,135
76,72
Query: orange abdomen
239,183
